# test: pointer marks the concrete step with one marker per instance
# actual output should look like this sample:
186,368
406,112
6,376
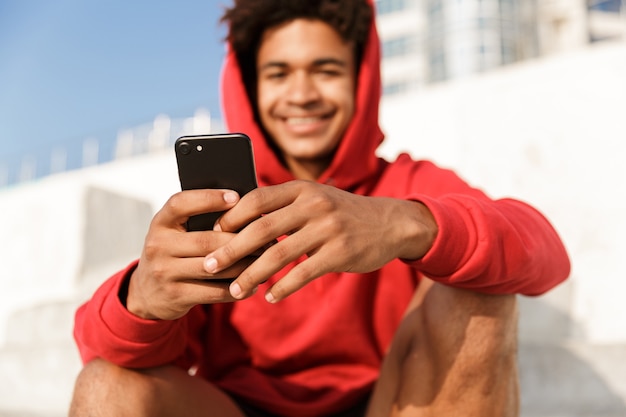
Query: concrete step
39,360
572,379
42,324
39,363
38,379
572,415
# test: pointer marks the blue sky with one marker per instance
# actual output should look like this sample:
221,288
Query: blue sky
72,69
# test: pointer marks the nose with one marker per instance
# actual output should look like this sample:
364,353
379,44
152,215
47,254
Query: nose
302,89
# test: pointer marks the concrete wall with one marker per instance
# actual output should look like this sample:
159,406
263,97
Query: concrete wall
61,237
550,132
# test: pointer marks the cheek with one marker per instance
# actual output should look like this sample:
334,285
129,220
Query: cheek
342,93
261,99
346,101
266,96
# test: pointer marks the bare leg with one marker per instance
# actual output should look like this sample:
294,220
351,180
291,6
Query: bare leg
455,354
103,389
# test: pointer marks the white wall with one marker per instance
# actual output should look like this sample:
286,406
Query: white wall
551,132
43,223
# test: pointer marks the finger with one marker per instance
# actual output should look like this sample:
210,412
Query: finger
172,289
207,292
258,202
255,236
269,263
193,244
298,277
194,292
175,299
185,204
186,269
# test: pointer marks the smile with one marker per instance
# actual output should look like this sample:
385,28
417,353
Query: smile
295,121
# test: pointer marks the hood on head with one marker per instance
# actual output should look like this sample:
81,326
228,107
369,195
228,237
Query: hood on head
355,161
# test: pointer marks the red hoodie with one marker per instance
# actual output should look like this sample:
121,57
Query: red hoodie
319,351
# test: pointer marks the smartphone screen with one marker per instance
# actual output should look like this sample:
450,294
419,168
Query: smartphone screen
219,161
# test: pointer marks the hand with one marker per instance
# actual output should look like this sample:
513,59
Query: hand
339,231
170,278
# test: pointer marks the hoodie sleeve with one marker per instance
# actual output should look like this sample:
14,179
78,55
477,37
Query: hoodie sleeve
105,328
500,247
494,246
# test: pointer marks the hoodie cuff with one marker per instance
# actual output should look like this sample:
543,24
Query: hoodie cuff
124,324
132,341
451,247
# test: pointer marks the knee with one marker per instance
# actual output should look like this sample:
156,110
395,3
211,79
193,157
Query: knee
92,388
101,388
459,348
94,376
447,318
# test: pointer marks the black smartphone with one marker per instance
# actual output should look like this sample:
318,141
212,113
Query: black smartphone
220,161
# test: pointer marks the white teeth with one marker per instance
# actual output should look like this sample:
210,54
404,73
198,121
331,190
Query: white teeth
301,120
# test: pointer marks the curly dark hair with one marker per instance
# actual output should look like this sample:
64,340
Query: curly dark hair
248,19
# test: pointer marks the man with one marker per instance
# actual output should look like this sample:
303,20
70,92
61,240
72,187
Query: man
388,290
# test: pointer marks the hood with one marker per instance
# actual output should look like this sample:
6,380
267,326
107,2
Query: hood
355,163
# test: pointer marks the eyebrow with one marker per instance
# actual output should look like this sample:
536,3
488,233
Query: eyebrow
317,63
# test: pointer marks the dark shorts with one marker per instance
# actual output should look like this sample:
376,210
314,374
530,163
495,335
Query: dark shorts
251,411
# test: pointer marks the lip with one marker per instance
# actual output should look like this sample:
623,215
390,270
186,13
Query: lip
296,121
309,124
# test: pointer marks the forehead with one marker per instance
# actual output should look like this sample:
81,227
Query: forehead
301,41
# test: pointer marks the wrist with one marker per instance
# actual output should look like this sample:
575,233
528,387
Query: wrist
419,230
122,294
131,300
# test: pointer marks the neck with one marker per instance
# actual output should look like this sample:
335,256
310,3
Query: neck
309,170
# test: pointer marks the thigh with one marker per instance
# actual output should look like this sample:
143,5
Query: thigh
454,350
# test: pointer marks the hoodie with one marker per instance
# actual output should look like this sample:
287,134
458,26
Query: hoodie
319,351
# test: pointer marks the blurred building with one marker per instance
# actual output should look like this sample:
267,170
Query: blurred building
607,20
561,25
75,154
423,42
427,41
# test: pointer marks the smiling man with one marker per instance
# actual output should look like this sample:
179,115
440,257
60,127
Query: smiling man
389,289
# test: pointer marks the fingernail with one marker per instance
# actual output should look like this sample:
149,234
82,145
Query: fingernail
210,264
230,197
235,290
269,298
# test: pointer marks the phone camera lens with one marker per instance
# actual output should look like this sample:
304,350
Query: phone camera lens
185,148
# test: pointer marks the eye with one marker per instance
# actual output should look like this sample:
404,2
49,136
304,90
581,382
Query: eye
330,71
275,75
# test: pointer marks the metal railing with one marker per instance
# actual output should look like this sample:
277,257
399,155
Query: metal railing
151,137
